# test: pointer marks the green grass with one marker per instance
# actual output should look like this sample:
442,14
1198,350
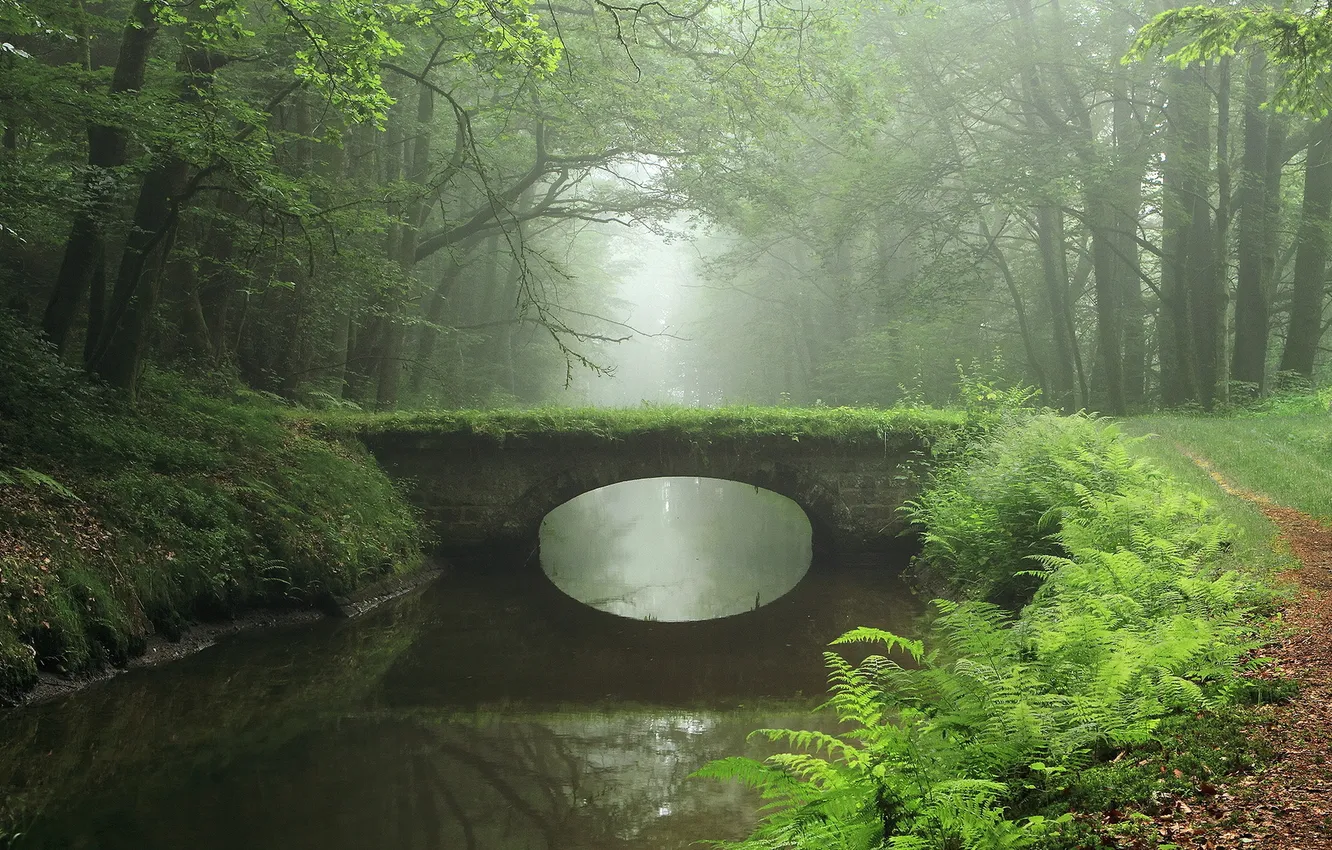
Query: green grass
830,423
1284,456
1223,440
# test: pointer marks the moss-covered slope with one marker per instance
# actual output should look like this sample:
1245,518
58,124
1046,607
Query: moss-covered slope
119,522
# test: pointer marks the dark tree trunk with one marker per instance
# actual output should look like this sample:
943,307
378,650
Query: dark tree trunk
372,336
123,338
1125,211
207,307
1213,293
362,357
294,361
1109,366
1248,363
1113,201
1307,296
118,356
1186,225
1029,345
85,249
429,333
1054,268
414,216
332,375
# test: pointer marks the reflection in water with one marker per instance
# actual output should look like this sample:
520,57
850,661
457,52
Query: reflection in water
488,711
432,780
676,549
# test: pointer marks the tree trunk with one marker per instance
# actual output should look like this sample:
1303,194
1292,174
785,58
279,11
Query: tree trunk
429,333
123,338
1248,363
211,301
1109,366
1213,293
1019,308
1125,211
294,361
362,358
414,216
1186,238
85,249
1113,199
1054,268
1307,296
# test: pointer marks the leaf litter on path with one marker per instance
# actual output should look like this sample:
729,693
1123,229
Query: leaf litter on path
1288,804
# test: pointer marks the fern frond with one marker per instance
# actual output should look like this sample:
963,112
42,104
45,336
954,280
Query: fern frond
865,634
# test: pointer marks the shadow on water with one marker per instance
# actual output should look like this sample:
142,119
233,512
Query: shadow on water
511,635
488,711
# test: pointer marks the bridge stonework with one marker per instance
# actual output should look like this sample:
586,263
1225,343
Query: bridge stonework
477,490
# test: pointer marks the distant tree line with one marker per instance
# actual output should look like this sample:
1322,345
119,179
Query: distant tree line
372,202
388,204
994,179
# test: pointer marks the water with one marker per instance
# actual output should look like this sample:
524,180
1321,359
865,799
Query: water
489,710
676,549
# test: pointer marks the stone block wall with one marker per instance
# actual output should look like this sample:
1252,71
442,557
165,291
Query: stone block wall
477,490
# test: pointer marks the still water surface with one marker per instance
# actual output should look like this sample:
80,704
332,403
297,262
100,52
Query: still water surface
487,711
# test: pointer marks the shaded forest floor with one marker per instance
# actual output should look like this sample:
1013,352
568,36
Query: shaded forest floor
1286,804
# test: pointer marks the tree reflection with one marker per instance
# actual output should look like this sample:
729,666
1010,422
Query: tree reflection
424,781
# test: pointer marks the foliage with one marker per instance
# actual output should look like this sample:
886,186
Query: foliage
117,522
982,734
988,522
1298,43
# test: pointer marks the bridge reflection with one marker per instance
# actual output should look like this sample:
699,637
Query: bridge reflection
676,549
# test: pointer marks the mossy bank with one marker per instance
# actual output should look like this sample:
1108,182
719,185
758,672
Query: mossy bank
199,502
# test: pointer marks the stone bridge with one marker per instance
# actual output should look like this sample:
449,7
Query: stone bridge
481,490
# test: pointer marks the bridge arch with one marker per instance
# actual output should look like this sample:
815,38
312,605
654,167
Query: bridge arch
817,497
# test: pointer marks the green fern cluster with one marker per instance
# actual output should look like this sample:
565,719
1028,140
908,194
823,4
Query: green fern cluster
986,520
972,738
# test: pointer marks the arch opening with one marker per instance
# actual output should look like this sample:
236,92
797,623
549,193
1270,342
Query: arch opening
676,549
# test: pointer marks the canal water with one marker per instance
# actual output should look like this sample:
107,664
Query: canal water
489,710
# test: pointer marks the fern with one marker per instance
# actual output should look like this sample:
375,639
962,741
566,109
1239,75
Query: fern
33,478
1127,622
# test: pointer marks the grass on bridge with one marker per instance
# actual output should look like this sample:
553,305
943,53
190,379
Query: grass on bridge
693,423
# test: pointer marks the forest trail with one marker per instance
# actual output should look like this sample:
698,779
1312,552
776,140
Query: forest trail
1288,805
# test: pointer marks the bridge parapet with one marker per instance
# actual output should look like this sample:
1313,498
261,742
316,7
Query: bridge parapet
479,489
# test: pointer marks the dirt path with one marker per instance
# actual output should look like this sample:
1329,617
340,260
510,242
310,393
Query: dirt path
1287,806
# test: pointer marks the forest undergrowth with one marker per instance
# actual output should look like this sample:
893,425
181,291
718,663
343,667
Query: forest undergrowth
1096,668
198,502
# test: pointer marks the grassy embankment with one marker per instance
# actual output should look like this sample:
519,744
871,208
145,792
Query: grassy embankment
1284,453
117,523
